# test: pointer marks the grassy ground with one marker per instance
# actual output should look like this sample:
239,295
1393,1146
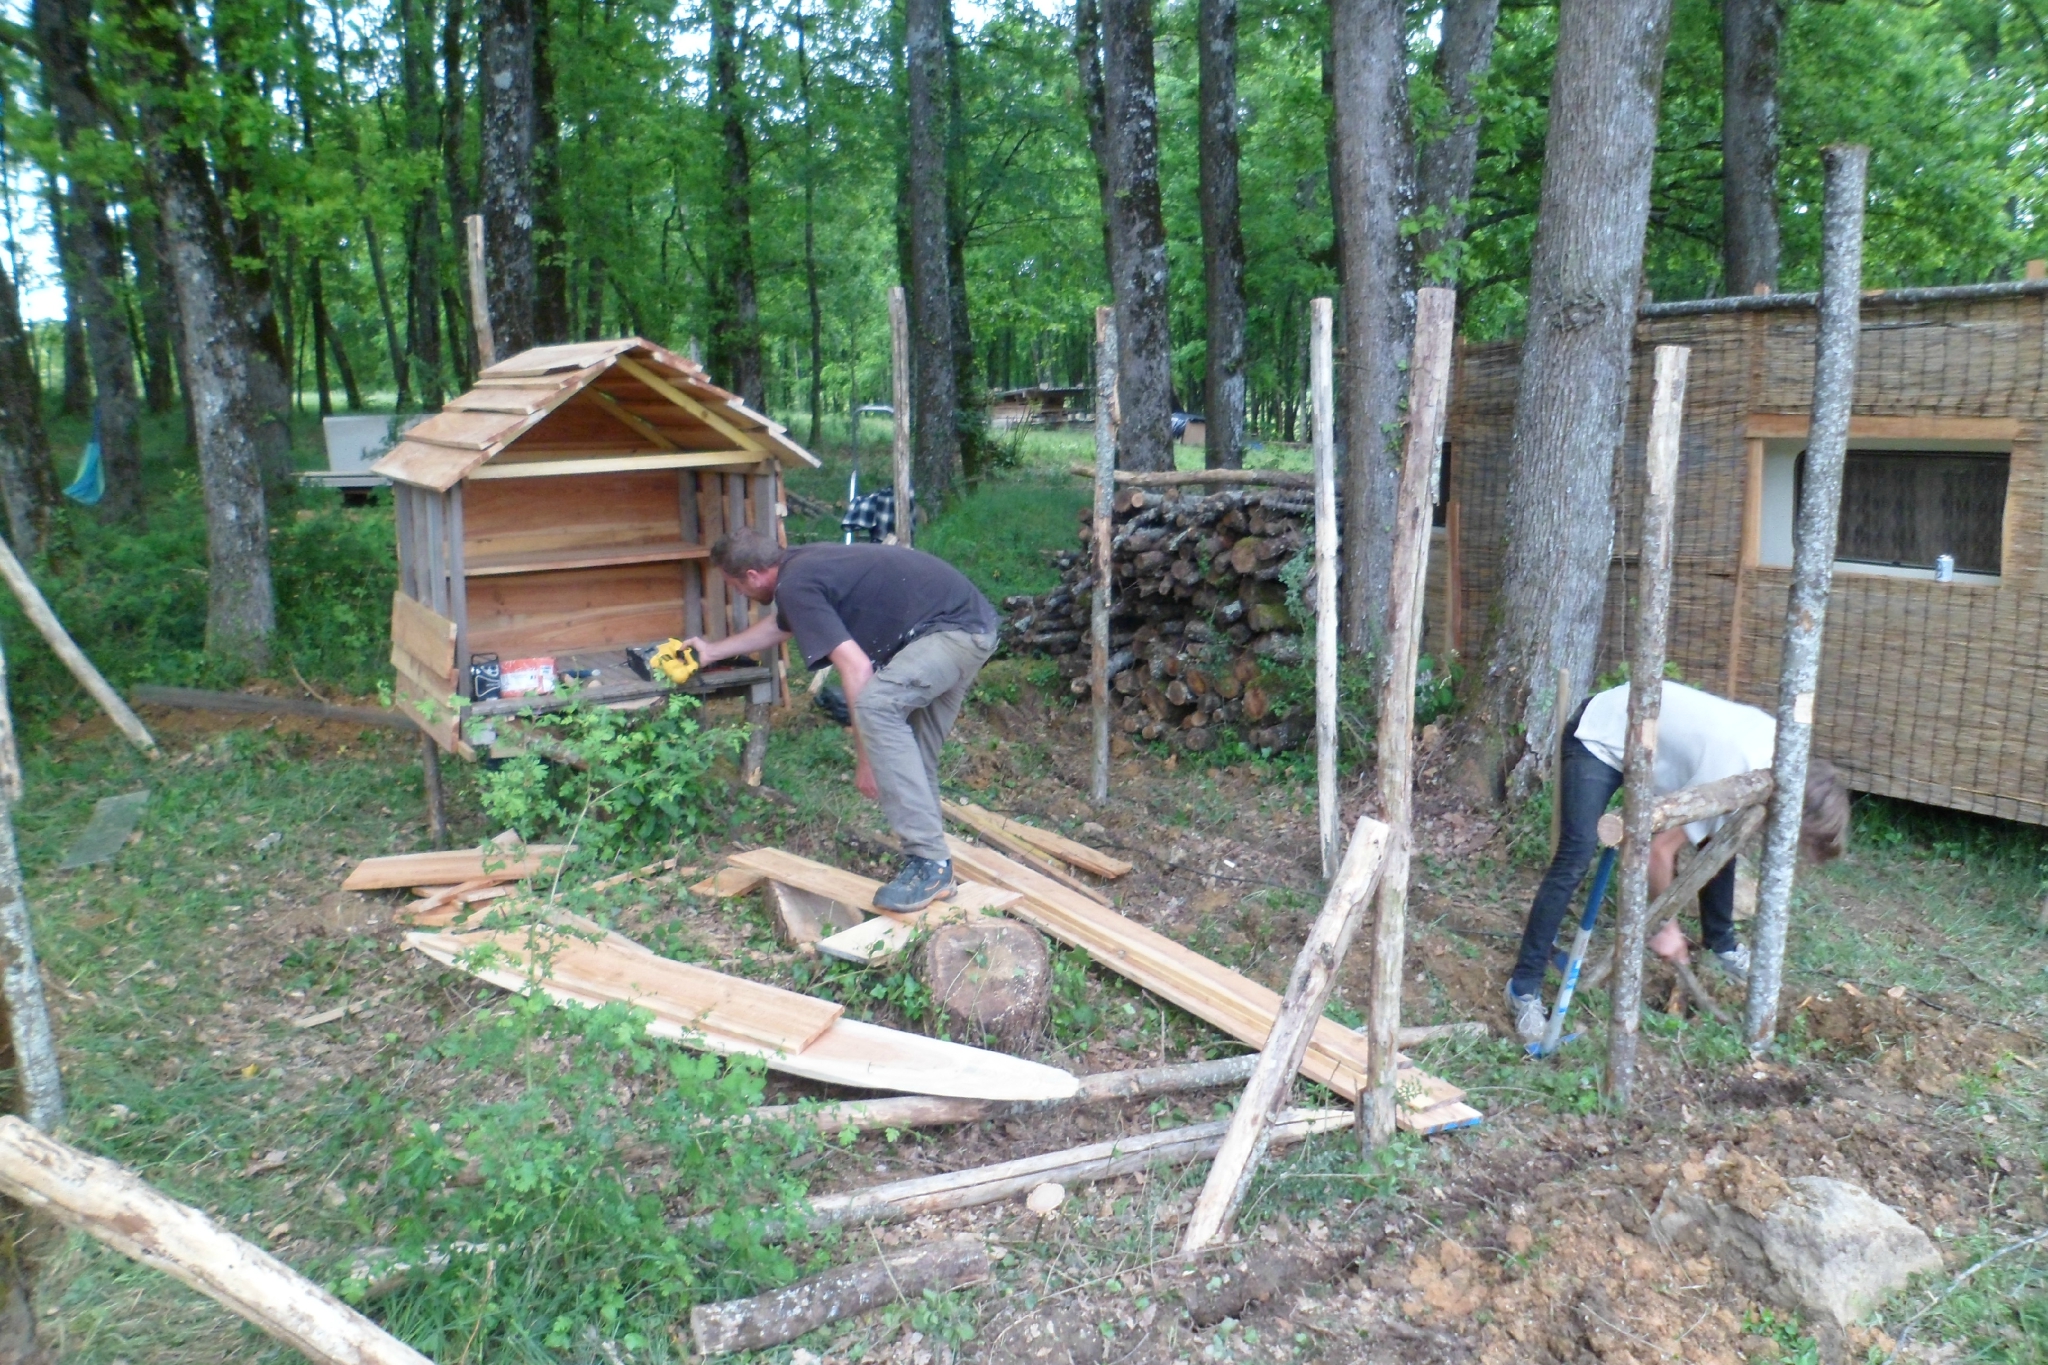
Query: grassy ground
560,1161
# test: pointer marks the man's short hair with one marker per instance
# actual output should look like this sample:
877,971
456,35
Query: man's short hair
746,550
1824,821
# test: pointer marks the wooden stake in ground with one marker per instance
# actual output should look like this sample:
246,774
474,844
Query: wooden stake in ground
899,362
1813,567
114,1205
1645,698
1429,386
1105,494
479,293
65,648
437,799
1308,990
1323,439
787,1313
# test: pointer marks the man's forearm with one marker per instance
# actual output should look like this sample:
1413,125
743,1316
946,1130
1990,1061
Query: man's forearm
763,634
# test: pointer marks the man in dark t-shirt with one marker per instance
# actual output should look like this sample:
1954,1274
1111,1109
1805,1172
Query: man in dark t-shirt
908,633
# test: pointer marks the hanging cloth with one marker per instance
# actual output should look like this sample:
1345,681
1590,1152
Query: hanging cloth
90,484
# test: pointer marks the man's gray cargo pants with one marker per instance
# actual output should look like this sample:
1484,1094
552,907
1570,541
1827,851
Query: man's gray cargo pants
904,714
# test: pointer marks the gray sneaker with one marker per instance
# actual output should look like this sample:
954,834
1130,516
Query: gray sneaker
922,881
1531,1019
1734,963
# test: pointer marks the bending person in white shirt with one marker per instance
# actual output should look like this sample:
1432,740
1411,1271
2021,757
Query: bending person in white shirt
1701,738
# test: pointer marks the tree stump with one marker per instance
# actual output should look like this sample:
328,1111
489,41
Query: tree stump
991,980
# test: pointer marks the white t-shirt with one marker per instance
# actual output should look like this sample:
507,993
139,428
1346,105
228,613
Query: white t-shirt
1700,738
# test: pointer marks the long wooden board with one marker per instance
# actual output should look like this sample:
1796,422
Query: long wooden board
1069,851
883,937
1236,1004
450,867
691,997
850,1053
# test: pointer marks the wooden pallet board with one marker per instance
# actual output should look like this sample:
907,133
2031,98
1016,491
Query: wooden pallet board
1234,1003
882,938
451,867
849,1052
690,997
1069,851
836,884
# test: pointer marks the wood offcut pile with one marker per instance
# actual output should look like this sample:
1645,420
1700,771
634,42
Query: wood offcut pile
1200,598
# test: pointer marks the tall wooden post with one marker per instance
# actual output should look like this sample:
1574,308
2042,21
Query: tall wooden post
1429,383
479,293
1645,700
1105,498
1301,1009
899,362
21,986
1322,429
1813,566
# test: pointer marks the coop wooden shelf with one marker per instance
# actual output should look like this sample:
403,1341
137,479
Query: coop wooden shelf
541,561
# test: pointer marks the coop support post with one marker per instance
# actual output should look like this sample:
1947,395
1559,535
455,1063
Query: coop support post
1099,599
21,986
437,797
1323,438
65,648
899,368
1645,701
1429,382
1308,990
479,293
1813,563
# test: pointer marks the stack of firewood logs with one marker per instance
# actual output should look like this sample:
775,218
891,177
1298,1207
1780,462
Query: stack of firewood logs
1202,596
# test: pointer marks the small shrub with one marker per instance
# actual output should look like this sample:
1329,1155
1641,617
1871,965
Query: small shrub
638,780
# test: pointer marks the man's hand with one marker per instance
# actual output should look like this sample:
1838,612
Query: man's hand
864,780
707,651
1669,943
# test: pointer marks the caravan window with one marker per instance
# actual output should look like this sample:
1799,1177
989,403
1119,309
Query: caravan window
1901,509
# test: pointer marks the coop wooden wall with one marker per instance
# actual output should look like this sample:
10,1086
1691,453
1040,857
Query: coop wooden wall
1935,692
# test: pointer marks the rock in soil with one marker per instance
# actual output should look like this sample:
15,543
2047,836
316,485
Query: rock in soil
991,980
1820,1245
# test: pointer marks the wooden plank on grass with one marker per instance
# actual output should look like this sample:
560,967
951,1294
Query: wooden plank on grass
1211,992
848,888
692,997
728,882
1069,851
882,938
1023,853
452,867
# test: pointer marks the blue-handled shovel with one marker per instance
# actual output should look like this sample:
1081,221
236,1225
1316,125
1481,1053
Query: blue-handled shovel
1555,1037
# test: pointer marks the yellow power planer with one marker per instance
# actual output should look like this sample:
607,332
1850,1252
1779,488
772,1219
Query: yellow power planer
671,659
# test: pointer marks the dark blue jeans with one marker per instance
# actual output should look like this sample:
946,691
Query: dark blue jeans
1585,786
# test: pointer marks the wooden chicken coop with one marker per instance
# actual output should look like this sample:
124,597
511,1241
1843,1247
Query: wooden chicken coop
565,509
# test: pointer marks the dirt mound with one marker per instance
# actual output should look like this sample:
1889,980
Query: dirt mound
1917,1044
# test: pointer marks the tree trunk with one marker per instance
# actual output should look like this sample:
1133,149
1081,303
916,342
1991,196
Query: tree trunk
1372,194
28,490
93,251
316,296
936,454
1088,57
735,306
1448,161
1749,143
1138,275
401,377
1222,235
593,300
810,173
1585,269
505,120
551,323
325,332
423,226
970,412
221,347
158,308
75,397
